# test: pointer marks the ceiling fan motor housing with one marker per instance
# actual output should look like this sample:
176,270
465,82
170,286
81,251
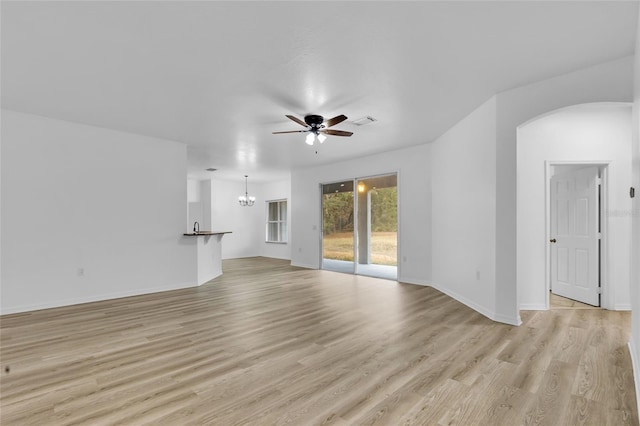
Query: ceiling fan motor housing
314,121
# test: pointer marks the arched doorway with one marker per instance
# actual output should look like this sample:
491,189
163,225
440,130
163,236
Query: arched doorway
596,134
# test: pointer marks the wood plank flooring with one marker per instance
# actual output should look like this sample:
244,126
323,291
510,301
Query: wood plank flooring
267,343
559,302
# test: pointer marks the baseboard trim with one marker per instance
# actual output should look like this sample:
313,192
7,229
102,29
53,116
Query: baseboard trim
304,265
622,307
415,281
276,257
478,308
517,321
533,307
90,299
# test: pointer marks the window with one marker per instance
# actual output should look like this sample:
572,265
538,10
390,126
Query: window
276,221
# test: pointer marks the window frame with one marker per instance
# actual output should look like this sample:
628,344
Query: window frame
280,222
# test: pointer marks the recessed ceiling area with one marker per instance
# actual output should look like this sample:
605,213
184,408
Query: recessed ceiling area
221,76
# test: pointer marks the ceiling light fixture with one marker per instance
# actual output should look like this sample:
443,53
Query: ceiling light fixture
317,127
314,135
245,200
310,138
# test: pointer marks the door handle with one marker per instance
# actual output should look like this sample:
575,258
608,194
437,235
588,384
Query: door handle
553,240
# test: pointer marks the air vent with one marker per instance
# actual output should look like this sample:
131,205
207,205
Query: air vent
364,120
211,169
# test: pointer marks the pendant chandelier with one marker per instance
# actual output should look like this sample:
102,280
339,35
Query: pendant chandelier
245,200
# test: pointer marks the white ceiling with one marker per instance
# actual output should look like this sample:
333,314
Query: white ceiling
220,76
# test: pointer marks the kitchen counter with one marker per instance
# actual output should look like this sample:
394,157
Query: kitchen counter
208,252
200,233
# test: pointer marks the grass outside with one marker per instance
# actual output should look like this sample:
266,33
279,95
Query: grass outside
384,250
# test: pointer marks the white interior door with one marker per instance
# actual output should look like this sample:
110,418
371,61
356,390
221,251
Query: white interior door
574,235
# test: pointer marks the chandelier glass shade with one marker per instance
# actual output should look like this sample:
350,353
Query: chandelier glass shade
245,200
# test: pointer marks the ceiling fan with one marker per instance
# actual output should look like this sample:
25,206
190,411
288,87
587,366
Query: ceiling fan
317,127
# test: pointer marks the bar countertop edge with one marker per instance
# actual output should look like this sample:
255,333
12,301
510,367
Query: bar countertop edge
205,233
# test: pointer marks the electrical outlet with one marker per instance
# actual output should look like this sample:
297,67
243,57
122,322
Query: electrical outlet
478,274
81,272
404,258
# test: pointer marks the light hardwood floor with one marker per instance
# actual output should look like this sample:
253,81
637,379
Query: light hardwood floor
559,302
268,343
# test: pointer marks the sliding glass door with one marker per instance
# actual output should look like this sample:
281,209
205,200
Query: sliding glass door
338,227
377,226
360,226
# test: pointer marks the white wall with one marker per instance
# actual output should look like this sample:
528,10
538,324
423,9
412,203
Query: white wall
609,82
245,223
214,204
463,223
280,190
635,273
414,207
80,197
592,132
194,204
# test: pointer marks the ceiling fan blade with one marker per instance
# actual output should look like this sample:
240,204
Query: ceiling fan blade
335,120
297,120
336,132
290,131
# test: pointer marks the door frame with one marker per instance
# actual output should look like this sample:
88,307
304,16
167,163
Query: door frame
607,294
355,219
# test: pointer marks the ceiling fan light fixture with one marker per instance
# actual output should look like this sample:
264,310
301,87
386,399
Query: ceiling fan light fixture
310,138
317,127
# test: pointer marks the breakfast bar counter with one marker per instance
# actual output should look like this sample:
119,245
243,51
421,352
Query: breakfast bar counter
208,247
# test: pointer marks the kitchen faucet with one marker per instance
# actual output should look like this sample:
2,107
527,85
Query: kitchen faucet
196,227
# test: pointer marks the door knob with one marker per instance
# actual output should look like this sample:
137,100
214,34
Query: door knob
553,240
